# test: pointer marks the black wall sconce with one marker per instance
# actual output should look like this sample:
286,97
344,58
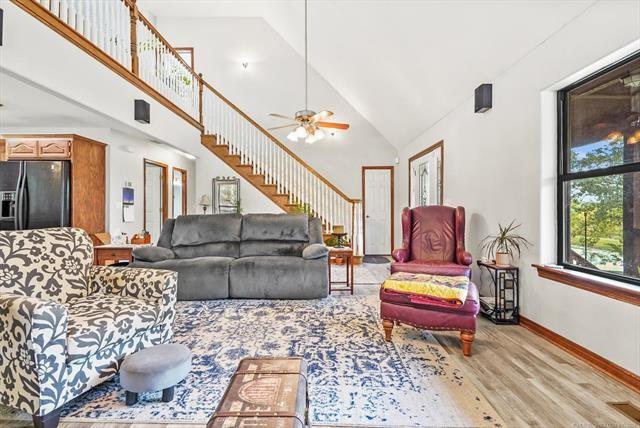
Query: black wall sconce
142,111
484,97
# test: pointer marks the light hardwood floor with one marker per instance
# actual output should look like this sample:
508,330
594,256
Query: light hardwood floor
529,381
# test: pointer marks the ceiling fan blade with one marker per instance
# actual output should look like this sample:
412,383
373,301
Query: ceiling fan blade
333,125
324,114
283,126
281,116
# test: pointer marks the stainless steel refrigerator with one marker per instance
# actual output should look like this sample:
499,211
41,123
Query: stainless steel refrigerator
35,194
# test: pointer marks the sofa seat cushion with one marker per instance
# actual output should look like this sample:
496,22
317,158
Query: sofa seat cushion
278,277
433,267
101,320
199,278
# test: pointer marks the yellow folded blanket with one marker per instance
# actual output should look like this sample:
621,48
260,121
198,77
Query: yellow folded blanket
448,288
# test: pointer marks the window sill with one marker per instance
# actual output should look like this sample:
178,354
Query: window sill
605,287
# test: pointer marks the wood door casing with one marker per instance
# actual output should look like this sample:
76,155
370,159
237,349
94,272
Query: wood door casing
164,195
364,202
183,200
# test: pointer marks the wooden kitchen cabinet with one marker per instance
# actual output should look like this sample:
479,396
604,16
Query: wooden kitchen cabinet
22,149
88,176
54,149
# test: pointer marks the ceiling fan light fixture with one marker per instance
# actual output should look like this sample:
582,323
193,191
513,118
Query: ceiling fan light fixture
292,136
301,132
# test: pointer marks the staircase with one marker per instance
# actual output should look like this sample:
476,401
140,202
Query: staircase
117,34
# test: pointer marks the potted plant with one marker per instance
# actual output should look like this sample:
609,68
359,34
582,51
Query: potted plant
506,245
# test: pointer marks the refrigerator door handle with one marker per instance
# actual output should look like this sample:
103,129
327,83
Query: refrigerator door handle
19,208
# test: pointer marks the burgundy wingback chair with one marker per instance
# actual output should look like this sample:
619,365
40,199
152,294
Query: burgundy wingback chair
432,242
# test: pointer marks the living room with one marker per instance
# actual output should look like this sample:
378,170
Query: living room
312,213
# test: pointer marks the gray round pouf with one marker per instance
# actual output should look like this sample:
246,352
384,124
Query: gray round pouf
157,368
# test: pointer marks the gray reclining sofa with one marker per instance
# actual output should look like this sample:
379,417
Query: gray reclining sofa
255,256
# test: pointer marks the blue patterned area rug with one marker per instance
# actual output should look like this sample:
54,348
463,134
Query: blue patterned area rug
355,376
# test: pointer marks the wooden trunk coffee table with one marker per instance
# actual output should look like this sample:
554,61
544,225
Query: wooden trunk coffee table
347,254
265,392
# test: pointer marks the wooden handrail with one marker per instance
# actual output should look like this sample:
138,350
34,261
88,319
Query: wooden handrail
278,143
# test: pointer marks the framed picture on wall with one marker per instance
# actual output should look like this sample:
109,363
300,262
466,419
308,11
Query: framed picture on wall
226,195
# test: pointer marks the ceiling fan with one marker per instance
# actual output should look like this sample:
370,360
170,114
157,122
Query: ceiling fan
307,123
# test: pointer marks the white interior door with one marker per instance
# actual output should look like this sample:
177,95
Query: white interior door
377,211
153,191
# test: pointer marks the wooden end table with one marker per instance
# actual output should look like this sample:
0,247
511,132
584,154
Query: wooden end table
104,255
347,254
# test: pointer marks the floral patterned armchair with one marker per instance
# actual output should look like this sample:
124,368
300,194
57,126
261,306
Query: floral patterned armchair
65,325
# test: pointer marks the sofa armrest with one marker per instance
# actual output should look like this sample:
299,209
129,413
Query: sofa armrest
33,343
315,251
153,254
400,255
464,258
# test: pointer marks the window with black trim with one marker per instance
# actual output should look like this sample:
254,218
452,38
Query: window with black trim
599,173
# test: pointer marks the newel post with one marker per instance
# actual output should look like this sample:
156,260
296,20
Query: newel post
133,13
200,89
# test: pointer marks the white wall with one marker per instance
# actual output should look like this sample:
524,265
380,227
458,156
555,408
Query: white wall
274,83
128,167
123,167
499,165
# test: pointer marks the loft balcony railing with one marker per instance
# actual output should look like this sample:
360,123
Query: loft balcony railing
116,33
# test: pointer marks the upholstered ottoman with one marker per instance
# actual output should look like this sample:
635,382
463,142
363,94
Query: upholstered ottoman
157,368
431,315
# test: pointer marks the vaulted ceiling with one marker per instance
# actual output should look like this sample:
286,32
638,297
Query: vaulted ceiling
403,64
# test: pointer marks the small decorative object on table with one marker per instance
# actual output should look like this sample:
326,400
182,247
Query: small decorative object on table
143,237
346,254
506,245
265,392
339,234
503,306
205,202
157,368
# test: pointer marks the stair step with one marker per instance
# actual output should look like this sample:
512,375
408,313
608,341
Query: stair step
244,165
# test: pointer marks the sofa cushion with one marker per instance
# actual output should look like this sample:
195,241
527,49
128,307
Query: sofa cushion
431,267
315,251
278,277
153,254
275,227
165,235
200,278
271,248
204,229
50,264
101,320
217,249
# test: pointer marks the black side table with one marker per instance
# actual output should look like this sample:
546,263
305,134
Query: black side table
504,306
